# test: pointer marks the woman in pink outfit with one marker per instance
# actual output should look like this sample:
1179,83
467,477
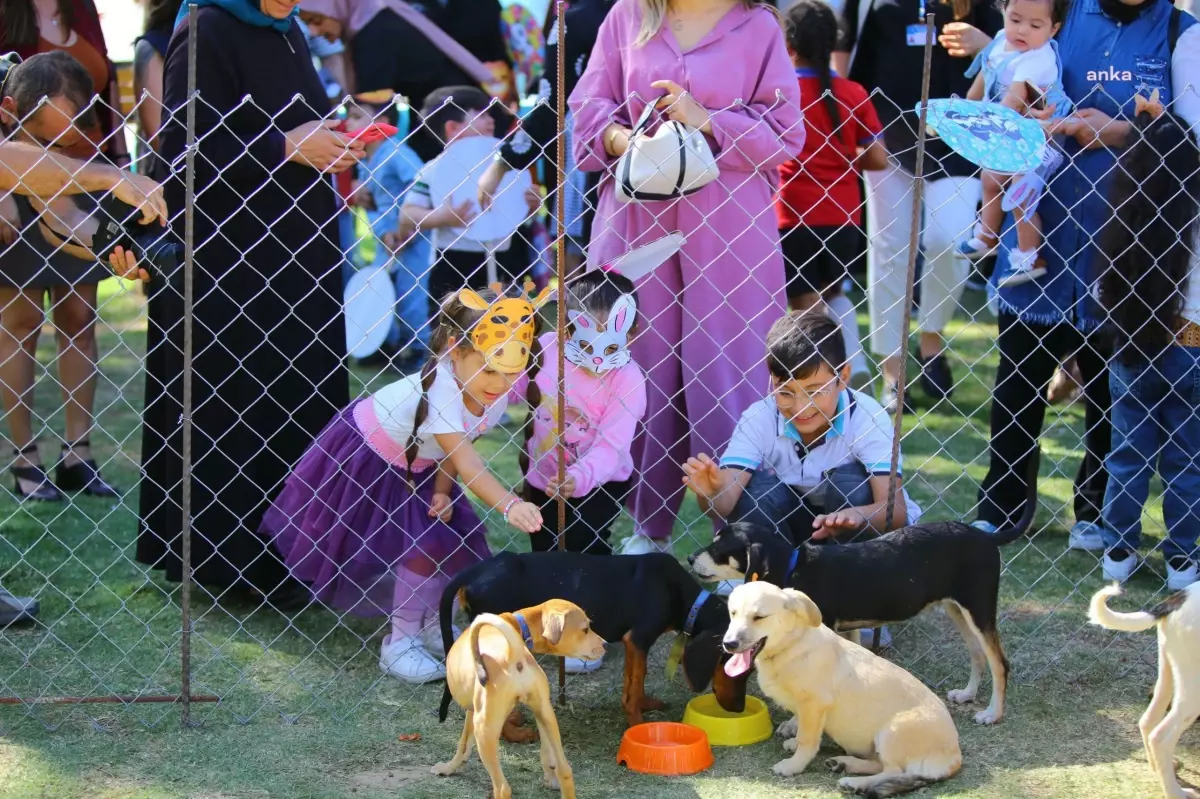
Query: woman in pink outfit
721,66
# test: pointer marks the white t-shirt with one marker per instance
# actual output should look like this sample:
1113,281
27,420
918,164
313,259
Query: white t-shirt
396,407
1038,67
447,238
861,431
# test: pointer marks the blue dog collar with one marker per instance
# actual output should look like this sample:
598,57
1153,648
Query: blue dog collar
787,575
526,635
695,611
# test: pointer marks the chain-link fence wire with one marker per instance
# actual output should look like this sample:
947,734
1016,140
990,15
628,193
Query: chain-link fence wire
270,369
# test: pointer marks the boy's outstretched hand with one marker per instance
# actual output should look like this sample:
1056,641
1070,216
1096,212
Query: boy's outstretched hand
831,525
703,475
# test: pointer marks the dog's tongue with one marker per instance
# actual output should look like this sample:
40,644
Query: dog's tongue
739,664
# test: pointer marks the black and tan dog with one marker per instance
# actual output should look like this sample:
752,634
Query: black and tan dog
628,598
889,579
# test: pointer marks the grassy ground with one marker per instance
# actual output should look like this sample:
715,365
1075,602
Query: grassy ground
305,711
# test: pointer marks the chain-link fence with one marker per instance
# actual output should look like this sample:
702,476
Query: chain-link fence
228,508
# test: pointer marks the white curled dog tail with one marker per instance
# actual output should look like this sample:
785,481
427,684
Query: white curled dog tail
485,666
1100,614
894,786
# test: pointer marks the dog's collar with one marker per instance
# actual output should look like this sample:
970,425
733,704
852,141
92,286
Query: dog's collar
690,622
526,635
787,575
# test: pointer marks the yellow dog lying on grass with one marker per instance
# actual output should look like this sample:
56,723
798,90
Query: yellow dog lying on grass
897,734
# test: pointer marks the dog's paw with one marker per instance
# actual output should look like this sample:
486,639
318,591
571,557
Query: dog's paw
789,745
519,735
961,696
443,769
550,781
988,717
650,703
789,728
788,768
835,765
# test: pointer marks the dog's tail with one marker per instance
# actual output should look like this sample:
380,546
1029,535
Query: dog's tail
1100,615
894,786
485,665
1006,535
446,619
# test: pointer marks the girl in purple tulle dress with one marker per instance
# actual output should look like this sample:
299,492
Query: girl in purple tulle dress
372,516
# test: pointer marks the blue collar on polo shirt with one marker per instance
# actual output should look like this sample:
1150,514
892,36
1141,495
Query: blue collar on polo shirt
809,72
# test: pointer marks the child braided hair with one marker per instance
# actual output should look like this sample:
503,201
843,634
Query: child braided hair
812,34
454,320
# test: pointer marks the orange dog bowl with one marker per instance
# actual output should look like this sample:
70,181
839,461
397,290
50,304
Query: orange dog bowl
665,748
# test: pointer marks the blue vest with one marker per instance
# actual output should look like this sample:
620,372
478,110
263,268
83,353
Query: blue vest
1105,63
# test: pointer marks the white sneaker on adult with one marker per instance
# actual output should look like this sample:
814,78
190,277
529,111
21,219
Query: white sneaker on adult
431,638
1087,537
1183,576
407,660
987,527
725,587
577,666
638,544
1119,569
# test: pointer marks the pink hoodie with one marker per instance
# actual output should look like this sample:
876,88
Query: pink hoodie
603,414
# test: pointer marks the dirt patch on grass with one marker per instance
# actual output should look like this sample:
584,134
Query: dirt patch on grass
390,779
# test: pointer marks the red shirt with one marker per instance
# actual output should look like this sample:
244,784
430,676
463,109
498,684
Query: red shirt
821,188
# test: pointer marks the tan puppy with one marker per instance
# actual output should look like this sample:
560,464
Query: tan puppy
1178,685
491,668
897,733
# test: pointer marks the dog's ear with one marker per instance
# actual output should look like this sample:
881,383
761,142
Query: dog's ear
701,654
800,604
553,624
756,562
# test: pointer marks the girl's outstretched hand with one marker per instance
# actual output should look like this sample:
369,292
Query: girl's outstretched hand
441,507
526,517
703,475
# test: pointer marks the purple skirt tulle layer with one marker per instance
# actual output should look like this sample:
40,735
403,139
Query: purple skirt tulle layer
346,520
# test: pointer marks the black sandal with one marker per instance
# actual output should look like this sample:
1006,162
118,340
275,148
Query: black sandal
83,477
45,491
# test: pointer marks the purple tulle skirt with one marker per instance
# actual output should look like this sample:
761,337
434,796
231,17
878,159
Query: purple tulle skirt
346,520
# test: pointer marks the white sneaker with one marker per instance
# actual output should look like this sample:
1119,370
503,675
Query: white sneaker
406,659
1087,537
1179,579
431,638
1023,268
1119,570
638,544
725,587
577,666
987,527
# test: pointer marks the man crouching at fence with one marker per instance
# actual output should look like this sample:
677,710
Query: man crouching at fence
814,458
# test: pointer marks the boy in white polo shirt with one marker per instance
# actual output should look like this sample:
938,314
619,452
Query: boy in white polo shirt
812,459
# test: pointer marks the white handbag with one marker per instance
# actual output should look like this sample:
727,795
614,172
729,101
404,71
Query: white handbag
672,163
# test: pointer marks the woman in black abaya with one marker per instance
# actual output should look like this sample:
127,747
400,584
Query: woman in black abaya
269,336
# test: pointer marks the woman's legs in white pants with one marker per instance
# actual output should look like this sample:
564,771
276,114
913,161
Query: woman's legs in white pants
949,212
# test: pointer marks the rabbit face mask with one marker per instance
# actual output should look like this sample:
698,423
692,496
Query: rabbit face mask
599,348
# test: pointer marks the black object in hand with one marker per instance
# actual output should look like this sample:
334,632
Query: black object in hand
155,248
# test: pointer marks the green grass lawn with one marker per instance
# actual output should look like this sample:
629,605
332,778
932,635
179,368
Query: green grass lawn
305,711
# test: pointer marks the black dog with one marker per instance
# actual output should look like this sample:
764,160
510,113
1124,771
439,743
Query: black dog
889,579
629,598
